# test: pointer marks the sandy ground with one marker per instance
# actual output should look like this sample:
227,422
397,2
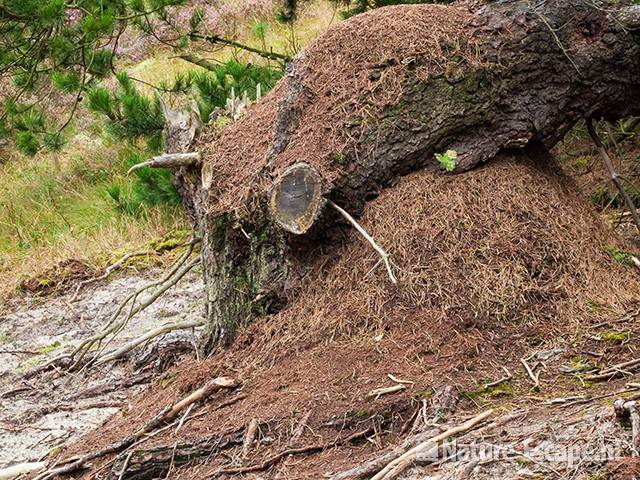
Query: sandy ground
37,416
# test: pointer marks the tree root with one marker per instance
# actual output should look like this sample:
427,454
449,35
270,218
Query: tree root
118,322
168,414
270,461
157,462
394,468
111,268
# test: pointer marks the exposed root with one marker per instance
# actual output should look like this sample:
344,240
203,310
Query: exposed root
291,451
122,351
118,321
168,414
110,269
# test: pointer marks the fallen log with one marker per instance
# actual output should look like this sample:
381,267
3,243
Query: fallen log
377,97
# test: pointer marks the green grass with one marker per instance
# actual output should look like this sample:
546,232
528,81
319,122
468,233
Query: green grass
56,206
78,203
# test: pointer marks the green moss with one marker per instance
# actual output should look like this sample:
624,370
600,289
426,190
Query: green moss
339,158
360,413
423,393
503,389
619,255
168,379
615,336
594,306
6,339
49,348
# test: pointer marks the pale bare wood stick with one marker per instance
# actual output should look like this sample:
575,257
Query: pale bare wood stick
397,380
405,460
495,383
126,348
169,160
535,378
15,471
384,255
613,175
297,433
386,390
249,437
184,417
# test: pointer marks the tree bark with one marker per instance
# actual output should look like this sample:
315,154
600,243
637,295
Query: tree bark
536,69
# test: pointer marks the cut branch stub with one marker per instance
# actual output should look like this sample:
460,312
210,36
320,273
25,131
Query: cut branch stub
296,199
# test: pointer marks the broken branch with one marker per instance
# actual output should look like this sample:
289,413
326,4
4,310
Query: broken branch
404,461
613,175
169,160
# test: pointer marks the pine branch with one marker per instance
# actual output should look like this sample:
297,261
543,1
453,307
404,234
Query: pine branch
216,39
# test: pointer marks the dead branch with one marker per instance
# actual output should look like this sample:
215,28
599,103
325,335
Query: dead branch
249,437
169,160
15,471
495,383
404,461
166,415
613,175
386,390
534,377
383,255
108,271
629,410
122,351
291,451
614,371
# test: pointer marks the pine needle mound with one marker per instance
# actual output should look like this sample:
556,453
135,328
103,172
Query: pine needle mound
339,79
493,265
510,244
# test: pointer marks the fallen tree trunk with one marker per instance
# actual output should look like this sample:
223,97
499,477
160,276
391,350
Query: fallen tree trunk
375,98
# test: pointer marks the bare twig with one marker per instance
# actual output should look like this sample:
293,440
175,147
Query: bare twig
534,377
249,437
614,371
108,271
613,175
495,383
384,255
386,390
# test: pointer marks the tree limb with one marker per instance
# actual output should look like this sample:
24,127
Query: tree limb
169,160
216,39
613,175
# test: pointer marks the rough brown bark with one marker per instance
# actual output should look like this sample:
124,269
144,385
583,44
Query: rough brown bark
535,70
